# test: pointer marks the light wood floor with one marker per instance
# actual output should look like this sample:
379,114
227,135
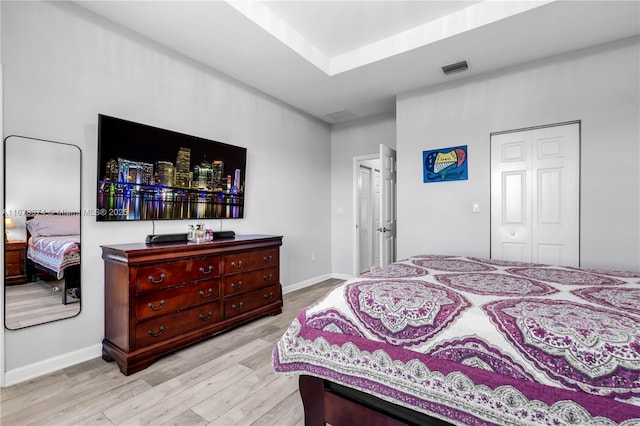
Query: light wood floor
37,302
225,380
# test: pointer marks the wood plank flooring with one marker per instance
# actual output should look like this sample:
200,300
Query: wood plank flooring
36,302
225,380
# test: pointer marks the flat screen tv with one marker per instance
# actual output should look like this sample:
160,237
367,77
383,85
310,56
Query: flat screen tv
149,173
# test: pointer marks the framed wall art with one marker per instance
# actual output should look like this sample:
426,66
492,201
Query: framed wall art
445,164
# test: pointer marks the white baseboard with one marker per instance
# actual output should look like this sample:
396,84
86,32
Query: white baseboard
306,283
342,276
50,365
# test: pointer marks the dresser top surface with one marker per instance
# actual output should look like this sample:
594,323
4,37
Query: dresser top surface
189,245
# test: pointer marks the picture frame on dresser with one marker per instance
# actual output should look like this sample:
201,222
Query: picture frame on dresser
163,297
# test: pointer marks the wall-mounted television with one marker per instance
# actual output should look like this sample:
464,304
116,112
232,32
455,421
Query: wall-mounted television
149,173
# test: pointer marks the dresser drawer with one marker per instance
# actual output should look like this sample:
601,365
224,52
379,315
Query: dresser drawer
14,256
239,283
11,269
246,302
161,302
165,327
247,261
14,267
169,274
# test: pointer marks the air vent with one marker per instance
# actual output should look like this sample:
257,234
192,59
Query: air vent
345,114
457,67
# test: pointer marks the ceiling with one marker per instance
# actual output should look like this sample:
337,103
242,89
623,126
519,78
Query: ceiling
343,60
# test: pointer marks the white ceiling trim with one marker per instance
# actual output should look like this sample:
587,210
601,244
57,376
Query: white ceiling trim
456,23
268,20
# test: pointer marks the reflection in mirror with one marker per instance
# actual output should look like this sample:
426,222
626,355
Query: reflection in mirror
42,231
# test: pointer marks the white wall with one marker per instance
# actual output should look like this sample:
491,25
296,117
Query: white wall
63,66
2,363
349,140
599,86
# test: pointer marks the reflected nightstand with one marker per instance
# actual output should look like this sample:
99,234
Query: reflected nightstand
15,253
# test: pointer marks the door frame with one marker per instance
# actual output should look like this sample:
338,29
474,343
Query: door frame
357,161
543,126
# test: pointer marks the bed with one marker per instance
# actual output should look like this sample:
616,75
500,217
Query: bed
463,340
53,247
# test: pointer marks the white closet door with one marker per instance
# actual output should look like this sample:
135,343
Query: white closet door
535,197
511,196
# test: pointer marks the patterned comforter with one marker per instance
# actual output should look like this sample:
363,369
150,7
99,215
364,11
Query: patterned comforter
476,341
55,253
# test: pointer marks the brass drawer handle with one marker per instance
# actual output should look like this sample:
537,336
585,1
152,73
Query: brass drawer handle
159,280
267,259
160,330
268,296
237,307
207,294
267,277
208,271
236,265
207,318
153,308
237,285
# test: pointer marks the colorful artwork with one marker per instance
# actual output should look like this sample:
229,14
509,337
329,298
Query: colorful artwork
445,164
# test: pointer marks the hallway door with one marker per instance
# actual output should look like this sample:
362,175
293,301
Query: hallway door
388,221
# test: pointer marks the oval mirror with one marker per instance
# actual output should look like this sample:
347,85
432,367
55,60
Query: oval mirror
42,181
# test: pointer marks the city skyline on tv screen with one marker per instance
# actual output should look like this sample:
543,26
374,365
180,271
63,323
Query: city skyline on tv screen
147,173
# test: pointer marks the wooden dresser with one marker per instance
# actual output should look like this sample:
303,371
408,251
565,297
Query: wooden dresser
162,297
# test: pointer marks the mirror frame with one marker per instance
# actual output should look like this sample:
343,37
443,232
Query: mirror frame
4,228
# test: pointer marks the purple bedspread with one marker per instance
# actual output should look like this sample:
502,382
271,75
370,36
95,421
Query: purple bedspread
477,341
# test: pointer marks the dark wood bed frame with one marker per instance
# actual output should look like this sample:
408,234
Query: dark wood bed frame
71,273
327,402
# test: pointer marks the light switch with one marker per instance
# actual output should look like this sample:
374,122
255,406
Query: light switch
475,207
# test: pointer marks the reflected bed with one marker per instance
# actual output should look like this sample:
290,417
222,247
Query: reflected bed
53,246
435,339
